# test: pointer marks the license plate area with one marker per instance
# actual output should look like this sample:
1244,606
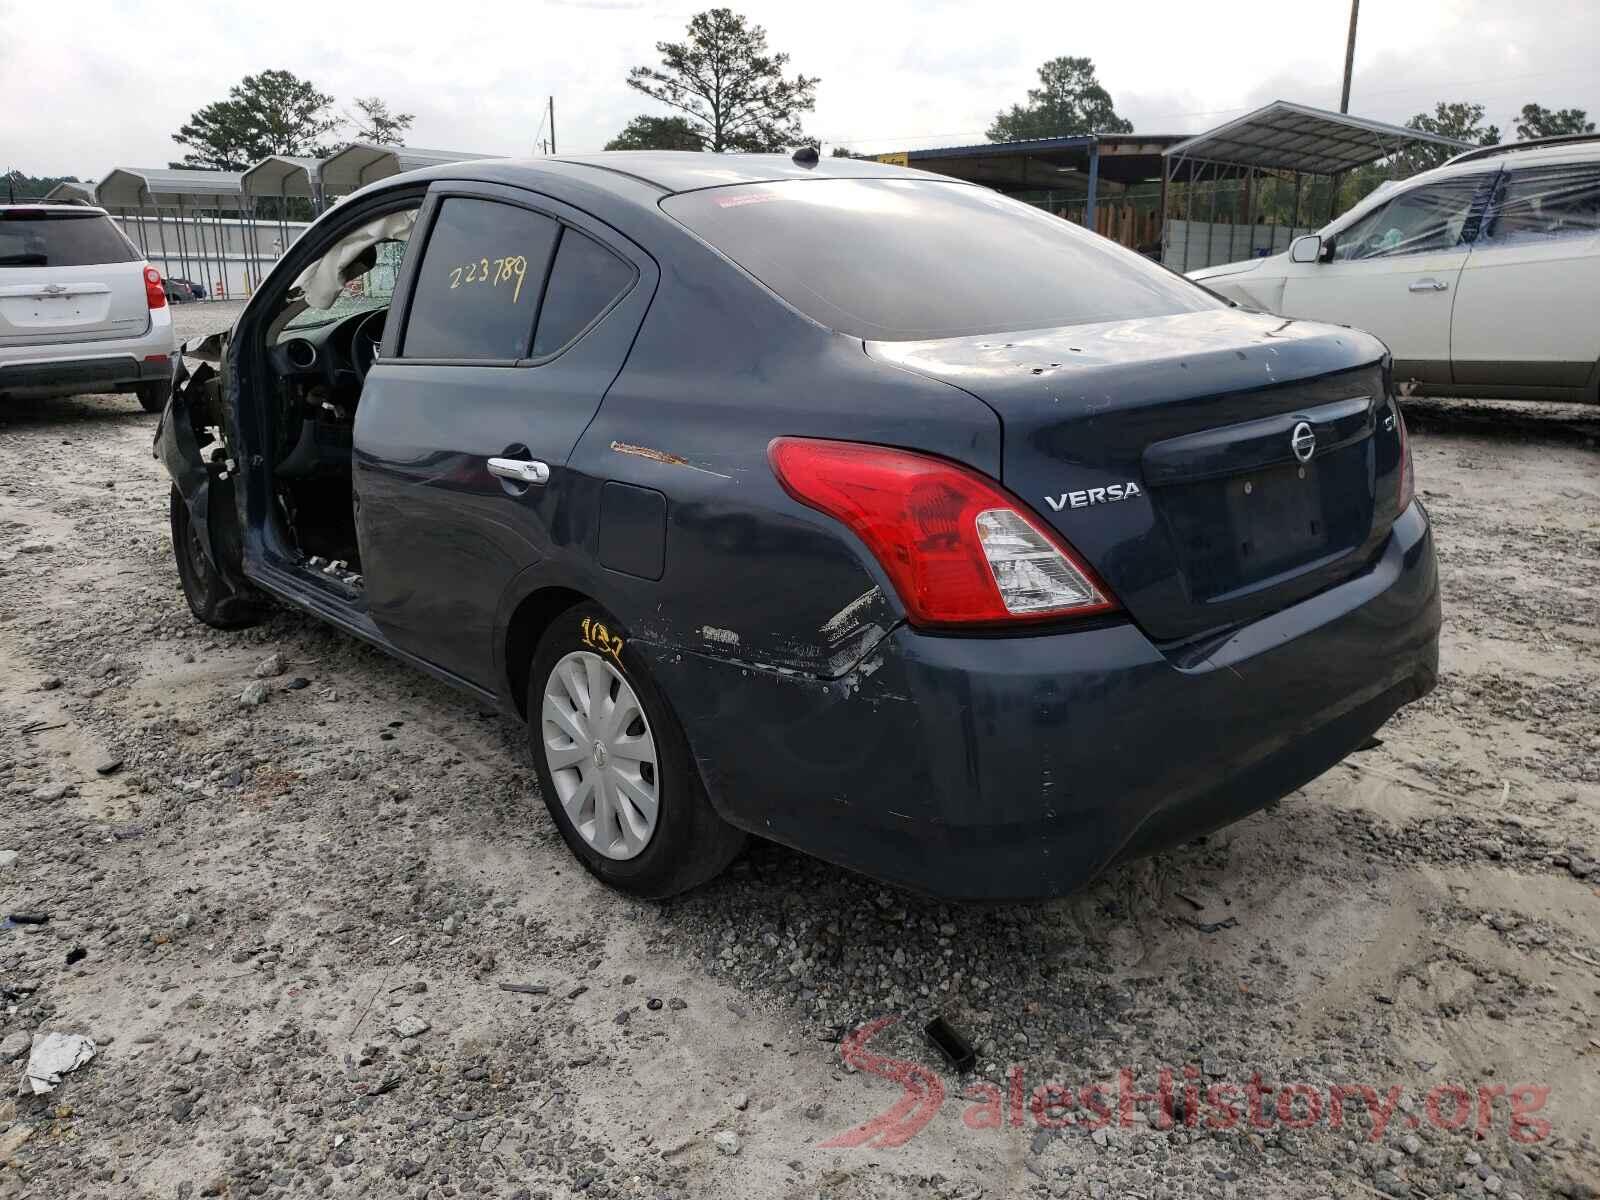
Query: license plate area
1242,530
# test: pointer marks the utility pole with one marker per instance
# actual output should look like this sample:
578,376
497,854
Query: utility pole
1349,57
553,122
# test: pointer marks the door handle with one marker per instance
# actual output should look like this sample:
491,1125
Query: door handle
1428,285
520,470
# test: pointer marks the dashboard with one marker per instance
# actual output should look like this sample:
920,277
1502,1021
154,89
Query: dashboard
335,355
319,371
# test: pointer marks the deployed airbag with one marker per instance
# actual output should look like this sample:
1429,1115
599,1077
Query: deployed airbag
321,282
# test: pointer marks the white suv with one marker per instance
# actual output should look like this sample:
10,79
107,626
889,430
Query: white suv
80,308
1480,275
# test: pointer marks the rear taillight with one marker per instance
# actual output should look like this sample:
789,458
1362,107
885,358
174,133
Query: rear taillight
155,296
1408,479
957,548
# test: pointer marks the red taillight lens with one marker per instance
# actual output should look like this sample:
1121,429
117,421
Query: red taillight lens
957,548
155,296
1408,478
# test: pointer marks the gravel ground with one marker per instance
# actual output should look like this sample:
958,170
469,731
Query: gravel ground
296,919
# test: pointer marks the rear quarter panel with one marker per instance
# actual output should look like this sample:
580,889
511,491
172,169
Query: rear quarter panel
720,368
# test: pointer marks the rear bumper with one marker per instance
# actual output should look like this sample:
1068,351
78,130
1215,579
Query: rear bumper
1004,768
66,377
68,368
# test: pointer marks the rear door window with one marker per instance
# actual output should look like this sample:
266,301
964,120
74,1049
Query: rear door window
40,239
908,259
478,285
1541,204
585,280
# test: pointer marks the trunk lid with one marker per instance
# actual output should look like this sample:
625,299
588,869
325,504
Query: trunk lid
67,276
1164,450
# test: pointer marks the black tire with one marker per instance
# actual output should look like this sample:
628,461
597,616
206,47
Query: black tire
209,596
690,843
153,396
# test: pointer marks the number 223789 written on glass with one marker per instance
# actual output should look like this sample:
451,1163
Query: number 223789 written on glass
494,271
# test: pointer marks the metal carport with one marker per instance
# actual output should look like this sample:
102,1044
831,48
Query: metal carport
202,239
361,163
1281,137
71,193
1075,165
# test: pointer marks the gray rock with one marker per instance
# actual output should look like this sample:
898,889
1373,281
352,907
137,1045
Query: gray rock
254,695
50,792
1411,1143
7,857
741,1100
49,683
108,765
409,1025
273,664
15,1045
727,1142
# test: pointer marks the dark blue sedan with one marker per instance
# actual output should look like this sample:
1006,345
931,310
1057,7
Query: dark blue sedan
836,503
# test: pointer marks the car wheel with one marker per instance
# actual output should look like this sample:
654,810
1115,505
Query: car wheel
209,596
614,765
153,396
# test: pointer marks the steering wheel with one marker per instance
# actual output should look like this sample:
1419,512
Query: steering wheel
366,341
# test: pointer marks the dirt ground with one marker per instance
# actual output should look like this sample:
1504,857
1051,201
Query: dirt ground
296,920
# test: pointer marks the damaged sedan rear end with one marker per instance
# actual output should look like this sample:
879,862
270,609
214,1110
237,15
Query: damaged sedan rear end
837,504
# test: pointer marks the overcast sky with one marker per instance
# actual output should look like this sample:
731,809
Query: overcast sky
87,86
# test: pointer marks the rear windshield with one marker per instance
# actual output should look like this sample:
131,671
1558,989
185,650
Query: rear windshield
34,239
907,259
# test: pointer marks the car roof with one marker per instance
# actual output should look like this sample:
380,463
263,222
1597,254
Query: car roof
635,174
53,207
689,170
1560,148
1512,158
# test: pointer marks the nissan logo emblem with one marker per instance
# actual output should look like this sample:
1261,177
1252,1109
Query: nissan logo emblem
1303,442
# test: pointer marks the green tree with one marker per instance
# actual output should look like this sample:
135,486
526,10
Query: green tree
1458,120
730,88
1068,100
658,133
1538,122
376,124
274,112
840,152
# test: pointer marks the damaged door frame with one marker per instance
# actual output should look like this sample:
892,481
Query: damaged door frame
256,561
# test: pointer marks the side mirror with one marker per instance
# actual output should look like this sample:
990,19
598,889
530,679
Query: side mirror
1307,249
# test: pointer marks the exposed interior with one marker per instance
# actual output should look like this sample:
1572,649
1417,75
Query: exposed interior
321,343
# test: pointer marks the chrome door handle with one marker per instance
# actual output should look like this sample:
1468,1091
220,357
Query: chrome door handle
1429,285
520,470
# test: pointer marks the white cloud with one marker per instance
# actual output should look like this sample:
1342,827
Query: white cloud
88,86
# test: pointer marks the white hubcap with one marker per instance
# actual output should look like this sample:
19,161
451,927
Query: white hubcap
601,754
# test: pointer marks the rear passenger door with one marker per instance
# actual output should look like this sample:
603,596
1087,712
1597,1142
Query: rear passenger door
519,313
1525,312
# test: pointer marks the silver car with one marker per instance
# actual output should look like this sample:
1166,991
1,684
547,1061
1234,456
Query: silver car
80,308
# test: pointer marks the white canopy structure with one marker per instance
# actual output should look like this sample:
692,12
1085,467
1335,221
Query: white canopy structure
129,187
282,175
71,193
203,224
361,163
